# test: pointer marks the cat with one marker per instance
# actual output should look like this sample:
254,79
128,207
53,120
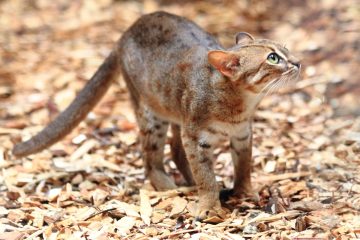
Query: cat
179,75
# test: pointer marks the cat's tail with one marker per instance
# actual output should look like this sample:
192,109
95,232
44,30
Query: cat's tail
88,97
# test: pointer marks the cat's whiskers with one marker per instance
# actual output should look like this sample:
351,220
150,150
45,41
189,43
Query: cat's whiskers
283,81
287,72
289,77
267,87
279,84
271,86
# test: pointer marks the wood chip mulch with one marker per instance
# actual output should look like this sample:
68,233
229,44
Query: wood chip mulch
91,185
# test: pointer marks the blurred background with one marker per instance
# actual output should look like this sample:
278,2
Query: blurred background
63,38
55,39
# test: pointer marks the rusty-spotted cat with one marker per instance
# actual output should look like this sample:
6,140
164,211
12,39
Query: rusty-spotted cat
179,75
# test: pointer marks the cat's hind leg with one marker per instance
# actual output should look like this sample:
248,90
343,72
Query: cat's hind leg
152,137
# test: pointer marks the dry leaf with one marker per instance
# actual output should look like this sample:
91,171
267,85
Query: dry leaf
12,235
145,207
124,225
178,205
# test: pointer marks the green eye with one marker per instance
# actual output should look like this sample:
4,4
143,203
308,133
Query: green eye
273,58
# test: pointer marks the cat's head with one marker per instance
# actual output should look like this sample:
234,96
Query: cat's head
256,64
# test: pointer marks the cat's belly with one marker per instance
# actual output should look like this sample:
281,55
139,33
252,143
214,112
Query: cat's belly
164,111
216,131
239,130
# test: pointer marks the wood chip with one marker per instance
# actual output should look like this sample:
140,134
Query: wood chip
145,207
306,144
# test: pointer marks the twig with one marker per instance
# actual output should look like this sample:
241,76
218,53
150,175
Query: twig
35,234
98,213
178,233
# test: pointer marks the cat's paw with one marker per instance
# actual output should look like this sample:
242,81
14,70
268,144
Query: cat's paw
248,192
205,213
225,194
160,180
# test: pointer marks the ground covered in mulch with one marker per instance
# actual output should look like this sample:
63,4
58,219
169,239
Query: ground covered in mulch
91,185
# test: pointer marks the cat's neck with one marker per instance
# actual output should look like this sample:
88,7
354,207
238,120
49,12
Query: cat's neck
234,101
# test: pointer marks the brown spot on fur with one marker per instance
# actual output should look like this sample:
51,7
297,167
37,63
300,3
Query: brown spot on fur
204,160
148,167
167,91
146,132
158,85
183,46
183,66
157,126
154,147
210,69
251,88
151,148
193,137
233,106
195,118
229,119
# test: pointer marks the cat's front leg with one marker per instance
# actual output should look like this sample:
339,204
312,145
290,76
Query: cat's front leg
199,153
241,152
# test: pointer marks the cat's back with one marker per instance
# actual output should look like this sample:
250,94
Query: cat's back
161,31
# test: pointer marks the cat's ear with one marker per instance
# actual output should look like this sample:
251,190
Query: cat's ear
243,37
225,62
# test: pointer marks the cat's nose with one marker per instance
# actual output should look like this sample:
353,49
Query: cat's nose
296,63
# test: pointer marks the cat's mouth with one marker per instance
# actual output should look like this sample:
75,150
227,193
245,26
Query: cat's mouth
293,74
286,79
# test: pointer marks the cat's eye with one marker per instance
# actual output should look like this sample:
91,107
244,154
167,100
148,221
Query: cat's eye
273,58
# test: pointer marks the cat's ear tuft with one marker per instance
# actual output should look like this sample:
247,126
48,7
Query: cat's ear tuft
225,62
243,37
